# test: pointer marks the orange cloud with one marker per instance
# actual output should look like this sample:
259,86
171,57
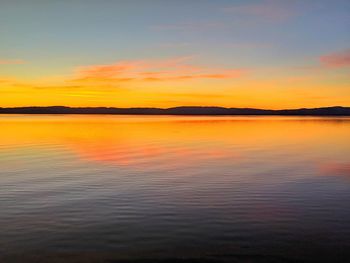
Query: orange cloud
152,70
5,80
337,59
11,61
10,81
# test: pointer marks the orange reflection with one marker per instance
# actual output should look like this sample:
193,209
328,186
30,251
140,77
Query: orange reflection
151,141
335,168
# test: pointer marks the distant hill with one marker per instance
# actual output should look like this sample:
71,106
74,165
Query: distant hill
326,111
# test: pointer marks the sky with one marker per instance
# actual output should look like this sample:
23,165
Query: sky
164,53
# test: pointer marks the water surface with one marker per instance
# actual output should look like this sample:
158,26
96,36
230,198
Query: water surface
160,188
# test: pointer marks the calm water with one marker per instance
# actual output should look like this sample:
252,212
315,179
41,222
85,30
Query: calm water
132,188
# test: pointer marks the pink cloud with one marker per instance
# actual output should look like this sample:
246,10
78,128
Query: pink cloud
268,9
11,61
337,59
153,70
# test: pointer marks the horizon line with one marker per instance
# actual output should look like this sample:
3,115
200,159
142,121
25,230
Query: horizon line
167,108
180,110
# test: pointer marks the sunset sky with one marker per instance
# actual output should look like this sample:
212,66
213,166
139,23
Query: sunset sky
164,53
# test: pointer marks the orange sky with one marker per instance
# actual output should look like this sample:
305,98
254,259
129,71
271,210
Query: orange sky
261,53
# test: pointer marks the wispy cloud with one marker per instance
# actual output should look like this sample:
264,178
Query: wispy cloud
11,61
10,82
337,59
5,80
267,9
153,70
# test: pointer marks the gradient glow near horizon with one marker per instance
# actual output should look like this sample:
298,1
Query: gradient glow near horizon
162,53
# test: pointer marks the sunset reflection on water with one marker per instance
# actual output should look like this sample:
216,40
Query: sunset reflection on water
165,186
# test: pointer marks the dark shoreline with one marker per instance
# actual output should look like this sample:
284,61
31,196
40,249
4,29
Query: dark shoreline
324,111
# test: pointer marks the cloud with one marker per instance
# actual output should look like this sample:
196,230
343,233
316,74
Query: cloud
11,61
11,82
268,9
5,80
337,59
152,70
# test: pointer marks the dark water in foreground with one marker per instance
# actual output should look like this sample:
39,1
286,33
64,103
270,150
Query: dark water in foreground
174,189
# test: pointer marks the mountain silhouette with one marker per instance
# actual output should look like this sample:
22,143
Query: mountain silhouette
184,110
